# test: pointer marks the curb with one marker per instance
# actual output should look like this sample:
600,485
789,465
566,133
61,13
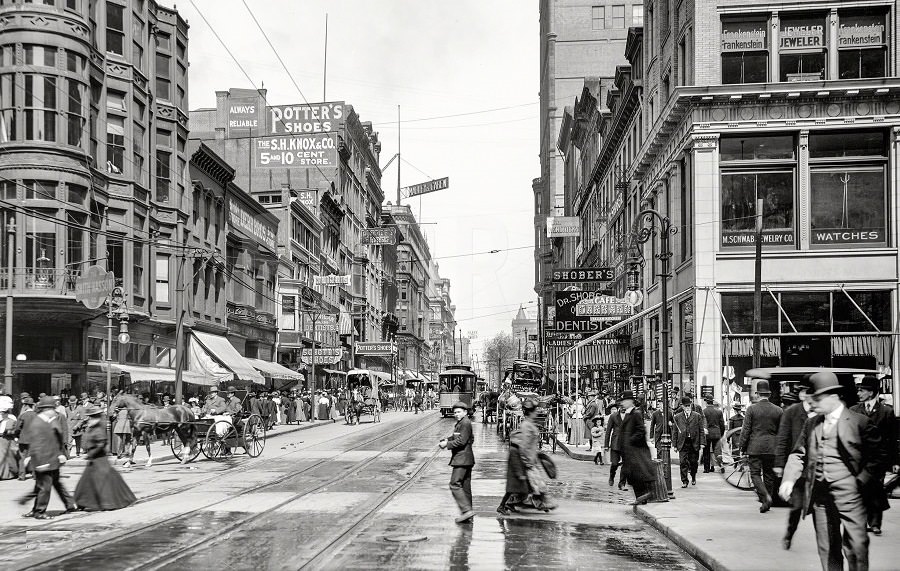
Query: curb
574,453
288,429
688,547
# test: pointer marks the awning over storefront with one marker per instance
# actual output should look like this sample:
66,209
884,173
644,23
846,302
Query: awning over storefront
224,352
275,370
604,354
146,374
332,372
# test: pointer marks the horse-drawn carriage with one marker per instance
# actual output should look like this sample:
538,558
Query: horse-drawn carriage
363,396
218,436
523,380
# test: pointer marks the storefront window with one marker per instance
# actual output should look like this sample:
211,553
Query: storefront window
740,192
875,304
862,44
756,147
745,55
847,206
802,49
737,311
809,312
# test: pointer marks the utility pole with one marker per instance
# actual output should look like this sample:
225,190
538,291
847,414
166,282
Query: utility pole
179,317
398,155
10,252
757,286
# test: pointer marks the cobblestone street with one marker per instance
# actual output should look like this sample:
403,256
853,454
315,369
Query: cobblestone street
333,497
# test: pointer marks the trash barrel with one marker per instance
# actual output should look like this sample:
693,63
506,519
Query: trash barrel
659,486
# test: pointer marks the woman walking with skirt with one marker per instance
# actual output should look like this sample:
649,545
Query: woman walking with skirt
100,487
526,440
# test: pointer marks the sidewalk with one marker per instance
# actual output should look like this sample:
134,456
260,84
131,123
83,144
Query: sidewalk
140,454
721,527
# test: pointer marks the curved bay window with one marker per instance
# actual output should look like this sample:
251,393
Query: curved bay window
848,188
40,248
7,104
40,108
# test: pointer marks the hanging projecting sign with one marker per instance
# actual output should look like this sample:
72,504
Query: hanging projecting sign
581,275
296,151
324,355
313,118
426,187
743,36
563,226
385,236
567,320
308,198
605,306
375,348
94,286
331,280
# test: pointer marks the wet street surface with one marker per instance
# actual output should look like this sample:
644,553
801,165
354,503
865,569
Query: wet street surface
371,496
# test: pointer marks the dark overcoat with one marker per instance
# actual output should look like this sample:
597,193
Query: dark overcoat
460,444
637,463
760,428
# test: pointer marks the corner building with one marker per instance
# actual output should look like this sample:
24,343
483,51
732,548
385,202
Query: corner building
792,103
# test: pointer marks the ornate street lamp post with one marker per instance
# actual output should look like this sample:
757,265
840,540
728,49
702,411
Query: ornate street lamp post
648,224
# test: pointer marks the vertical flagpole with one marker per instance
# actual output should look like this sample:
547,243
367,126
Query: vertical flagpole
398,155
325,66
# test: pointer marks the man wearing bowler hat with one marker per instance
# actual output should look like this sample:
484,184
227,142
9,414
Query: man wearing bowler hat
463,460
758,436
638,467
836,455
881,415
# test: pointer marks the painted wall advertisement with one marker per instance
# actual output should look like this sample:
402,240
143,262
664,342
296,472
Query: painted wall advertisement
296,151
563,226
861,31
253,227
385,236
308,198
243,116
298,119
324,355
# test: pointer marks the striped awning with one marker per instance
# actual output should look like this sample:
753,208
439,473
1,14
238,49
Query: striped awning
597,353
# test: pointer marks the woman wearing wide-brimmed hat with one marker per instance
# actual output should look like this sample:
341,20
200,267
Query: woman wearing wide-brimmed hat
101,487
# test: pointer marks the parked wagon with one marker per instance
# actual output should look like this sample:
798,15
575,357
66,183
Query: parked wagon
363,394
217,438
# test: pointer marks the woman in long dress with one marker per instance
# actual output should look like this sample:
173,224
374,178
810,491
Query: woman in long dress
9,451
276,399
122,432
300,408
100,487
290,411
577,409
527,440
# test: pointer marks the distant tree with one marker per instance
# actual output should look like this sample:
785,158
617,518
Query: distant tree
499,351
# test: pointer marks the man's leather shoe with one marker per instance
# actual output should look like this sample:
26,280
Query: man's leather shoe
29,514
612,480
786,543
684,484
41,516
465,516
876,530
722,470
694,480
764,507
503,510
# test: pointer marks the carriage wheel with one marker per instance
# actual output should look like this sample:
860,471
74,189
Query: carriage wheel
178,448
254,436
738,474
219,438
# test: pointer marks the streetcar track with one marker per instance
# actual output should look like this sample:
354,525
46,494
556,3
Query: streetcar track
230,470
209,541
62,558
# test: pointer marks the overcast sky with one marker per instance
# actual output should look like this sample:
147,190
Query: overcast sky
470,58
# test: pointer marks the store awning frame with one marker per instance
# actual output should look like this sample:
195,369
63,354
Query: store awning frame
275,370
140,373
223,351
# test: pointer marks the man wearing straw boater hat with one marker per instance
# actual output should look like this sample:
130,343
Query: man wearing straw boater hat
837,454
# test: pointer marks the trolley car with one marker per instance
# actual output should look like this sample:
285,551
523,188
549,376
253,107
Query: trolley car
457,384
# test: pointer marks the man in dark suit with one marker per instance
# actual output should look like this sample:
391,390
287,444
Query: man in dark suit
46,453
881,415
462,460
836,455
612,446
26,417
689,439
790,428
638,467
758,440
656,427
715,429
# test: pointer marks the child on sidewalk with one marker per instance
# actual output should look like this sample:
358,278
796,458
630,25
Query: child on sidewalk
597,433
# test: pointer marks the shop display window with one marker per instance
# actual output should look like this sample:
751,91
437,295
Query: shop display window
801,48
862,44
740,191
737,310
745,54
875,304
808,312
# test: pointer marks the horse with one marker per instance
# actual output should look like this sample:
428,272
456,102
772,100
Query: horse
148,419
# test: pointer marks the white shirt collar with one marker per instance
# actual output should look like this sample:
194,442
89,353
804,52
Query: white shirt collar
628,411
835,415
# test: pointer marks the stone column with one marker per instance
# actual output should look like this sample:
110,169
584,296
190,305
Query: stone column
707,233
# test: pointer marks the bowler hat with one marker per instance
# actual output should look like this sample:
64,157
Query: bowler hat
685,400
762,388
73,399
737,406
92,410
45,402
213,389
870,383
626,395
231,389
460,404
27,400
823,382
